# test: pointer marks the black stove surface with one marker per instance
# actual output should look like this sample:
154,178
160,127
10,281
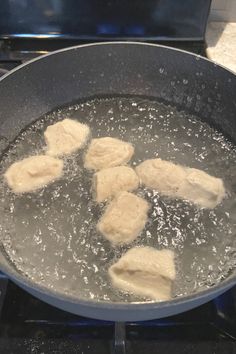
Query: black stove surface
27,325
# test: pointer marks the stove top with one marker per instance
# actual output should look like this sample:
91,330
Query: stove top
27,325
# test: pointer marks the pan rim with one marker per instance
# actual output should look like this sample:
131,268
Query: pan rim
43,56
20,279
119,305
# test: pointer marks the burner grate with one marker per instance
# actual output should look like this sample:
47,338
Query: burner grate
26,323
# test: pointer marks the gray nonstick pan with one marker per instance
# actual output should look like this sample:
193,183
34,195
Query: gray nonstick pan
169,104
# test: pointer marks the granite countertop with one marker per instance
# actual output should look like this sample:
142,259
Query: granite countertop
221,43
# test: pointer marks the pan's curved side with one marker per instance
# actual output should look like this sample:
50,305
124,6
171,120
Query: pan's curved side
190,82
185,80
117,313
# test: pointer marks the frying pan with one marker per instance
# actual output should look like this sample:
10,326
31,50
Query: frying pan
110,69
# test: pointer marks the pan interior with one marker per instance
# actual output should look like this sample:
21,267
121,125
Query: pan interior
50,235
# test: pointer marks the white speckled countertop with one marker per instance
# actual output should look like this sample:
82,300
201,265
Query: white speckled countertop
221,43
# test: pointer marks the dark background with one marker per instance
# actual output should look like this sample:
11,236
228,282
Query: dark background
94,19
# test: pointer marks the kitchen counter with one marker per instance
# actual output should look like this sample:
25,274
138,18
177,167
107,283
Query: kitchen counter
221,43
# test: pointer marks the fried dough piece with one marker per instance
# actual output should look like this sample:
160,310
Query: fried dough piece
178,181
124,218
107,152
145,271
110,181
33,173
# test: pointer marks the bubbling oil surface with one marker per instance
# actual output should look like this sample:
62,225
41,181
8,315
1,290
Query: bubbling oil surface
51,236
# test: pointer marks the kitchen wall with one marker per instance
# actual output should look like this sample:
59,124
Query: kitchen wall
223,10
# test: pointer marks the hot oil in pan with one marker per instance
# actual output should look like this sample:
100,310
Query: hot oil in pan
51,235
